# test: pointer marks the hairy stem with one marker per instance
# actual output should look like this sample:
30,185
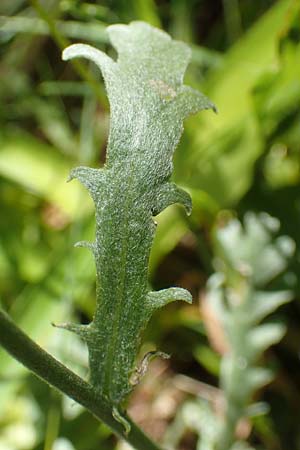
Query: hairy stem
47,368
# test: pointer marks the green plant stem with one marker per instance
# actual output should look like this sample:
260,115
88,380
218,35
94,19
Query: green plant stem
43,365
233,20
227,435
62,43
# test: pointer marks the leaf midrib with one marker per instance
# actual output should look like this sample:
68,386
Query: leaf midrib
111,350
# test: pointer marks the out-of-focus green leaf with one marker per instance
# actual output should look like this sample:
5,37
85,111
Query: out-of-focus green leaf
171,228
208,359
72,29
41,170
252,251
247,257
221,151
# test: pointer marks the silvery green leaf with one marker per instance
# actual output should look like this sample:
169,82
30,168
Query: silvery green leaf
148,104
263,336
251,250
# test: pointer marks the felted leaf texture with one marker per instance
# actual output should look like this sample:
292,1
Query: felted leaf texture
148,103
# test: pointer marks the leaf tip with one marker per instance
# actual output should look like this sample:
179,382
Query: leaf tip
214,108
66,53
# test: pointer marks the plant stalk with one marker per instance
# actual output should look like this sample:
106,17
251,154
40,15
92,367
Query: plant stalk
48,369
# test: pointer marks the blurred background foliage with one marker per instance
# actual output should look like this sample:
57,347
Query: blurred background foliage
54,116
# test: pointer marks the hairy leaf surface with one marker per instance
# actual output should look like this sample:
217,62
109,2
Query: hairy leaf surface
148,104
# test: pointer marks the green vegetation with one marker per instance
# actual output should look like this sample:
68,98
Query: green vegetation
148,104
54,116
